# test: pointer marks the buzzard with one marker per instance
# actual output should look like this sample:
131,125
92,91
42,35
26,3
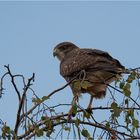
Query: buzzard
92,70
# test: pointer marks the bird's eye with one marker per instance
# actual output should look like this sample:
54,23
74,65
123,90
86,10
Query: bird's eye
63,47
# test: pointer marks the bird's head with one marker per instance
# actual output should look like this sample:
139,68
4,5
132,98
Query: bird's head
62,49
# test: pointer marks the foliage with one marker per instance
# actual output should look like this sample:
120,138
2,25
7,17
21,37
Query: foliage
41,120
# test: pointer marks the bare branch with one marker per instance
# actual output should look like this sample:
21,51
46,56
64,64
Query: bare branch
35,118
63,121
1,84
13,82
51,94
22,103
123,94
98,125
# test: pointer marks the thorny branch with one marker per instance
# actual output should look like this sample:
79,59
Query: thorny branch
30,132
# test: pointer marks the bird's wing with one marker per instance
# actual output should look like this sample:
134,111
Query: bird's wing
88,60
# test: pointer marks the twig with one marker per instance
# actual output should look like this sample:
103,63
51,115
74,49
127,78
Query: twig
1,84
123,94
101,126
13,82
52,93
22,103
98,125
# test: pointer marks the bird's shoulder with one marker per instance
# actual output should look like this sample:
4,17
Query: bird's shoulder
79,59
84,54
84,59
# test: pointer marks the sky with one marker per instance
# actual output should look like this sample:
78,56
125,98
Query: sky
30,30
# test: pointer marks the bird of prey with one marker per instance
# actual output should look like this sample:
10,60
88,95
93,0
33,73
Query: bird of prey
92,69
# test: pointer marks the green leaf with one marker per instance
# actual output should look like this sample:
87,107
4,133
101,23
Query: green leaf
6,129
114,105
74,108
131,77
58,120
67,128
107,125
85,133
39,132
135,123
131,113
36,100
77,122
43,118
87,114
86,84
44,98
77,85
90,138
127,86
122,85
6,132
126,90
116,111
127,93
48,124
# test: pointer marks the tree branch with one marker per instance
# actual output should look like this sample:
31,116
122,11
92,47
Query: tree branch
13,82
31,133
22,103
51,94
123,94
61,117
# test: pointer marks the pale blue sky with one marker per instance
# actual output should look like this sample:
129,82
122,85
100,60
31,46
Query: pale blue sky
30,30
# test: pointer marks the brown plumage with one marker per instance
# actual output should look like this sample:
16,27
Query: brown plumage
94,68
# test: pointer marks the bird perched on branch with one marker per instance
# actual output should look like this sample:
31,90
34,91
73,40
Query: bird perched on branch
92,70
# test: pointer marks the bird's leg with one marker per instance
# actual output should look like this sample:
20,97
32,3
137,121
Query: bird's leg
89,108
73,110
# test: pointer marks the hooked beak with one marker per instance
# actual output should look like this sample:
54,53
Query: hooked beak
54,52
